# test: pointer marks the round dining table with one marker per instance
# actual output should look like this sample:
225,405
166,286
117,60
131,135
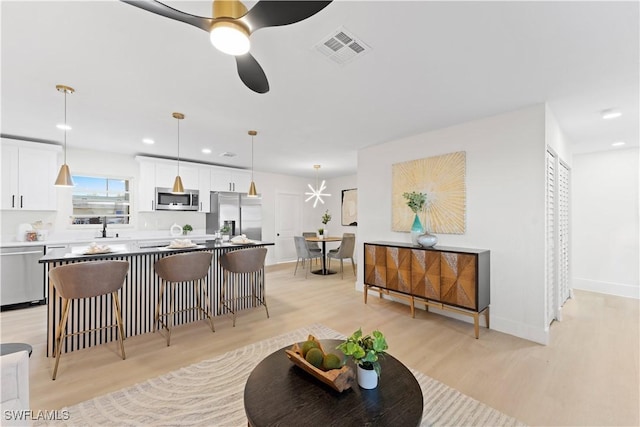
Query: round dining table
324,270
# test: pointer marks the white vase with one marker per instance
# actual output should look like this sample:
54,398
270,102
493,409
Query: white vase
427,240
367,378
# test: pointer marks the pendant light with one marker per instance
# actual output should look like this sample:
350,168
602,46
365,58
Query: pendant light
177,184
64,176
317,192
252,188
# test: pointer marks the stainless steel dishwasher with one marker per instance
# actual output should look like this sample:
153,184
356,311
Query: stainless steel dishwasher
21,277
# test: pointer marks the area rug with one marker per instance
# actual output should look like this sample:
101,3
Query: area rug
210,393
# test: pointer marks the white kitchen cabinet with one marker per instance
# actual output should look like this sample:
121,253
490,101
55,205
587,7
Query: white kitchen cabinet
166,175
229,179
147,186
162,173
205,188
28,174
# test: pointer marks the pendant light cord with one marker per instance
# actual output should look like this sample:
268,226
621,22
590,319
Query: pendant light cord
251,157
178,147
65,127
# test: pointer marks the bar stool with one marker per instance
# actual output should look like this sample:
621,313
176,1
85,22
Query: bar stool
86,280
188,267
243,261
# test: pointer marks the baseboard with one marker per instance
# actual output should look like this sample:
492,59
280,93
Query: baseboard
609,288
520,330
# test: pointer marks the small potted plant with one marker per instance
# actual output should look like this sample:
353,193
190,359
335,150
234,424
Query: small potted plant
365,351
326,217
186,229
224,231
320,232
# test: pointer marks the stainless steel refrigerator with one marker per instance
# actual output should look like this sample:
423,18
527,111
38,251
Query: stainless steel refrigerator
237,210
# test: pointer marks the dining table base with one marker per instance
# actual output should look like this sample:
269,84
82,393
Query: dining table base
324,271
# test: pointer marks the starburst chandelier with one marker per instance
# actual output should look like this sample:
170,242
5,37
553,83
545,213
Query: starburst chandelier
317,193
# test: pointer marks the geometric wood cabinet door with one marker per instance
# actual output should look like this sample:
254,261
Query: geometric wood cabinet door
450,279
458,285
425,274
375,265
399,269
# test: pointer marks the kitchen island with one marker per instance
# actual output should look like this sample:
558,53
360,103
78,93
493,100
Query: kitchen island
138,296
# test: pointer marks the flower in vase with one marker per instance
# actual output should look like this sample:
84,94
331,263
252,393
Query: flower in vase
415,201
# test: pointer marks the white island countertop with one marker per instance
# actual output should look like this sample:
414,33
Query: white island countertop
86,240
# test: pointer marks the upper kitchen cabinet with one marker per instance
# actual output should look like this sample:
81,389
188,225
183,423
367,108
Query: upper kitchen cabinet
28,173
166,174
205,188
229,179
162,173
146,186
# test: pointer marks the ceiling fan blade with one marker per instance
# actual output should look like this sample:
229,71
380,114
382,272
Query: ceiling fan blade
251,73
168,12
275,13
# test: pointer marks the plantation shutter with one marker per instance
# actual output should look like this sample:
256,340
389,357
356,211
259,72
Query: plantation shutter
550,227
563,233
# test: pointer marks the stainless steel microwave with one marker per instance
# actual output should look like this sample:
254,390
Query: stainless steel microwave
167,200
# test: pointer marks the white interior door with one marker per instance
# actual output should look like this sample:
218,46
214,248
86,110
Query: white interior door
288,224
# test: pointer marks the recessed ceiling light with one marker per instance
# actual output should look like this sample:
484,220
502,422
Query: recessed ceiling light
611,114
618,144
148,141
206,150
62,126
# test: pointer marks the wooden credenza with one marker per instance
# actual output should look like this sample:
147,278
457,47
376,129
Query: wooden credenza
453,279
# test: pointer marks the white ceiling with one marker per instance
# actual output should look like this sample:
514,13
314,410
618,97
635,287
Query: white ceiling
432,65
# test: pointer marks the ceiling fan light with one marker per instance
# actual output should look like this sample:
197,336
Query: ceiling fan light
230,38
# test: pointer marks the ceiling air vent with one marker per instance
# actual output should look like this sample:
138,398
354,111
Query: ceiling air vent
227,154
342,47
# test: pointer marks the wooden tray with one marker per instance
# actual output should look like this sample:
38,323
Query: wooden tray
338,379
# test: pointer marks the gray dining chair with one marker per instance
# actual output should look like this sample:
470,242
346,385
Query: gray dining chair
314,247
303,253
345,251
343,236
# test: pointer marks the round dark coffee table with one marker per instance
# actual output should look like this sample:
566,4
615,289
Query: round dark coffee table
279,393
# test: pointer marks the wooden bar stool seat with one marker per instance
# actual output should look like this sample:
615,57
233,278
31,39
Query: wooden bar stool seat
244,261
181,268
86,280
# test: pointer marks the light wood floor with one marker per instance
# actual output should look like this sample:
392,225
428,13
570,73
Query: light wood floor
588,375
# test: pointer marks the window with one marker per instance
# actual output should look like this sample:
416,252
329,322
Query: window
95,198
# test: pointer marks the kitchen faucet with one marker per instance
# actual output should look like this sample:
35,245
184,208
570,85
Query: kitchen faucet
104,226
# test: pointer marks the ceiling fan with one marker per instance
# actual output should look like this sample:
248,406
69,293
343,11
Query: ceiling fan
232,24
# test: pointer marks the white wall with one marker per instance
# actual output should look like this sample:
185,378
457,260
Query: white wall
505,206
556,138
313,216
605,217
